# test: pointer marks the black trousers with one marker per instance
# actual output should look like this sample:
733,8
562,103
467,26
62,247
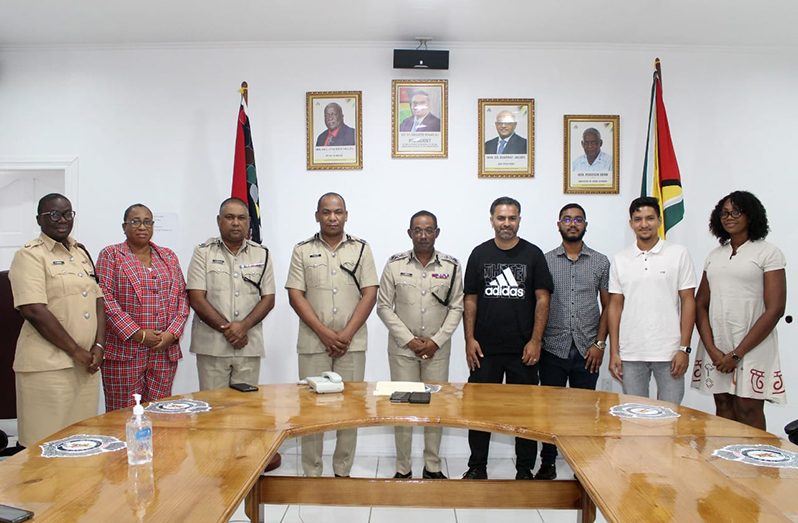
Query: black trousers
557,372
497,369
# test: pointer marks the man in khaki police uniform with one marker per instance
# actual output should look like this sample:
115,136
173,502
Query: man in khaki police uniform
332,286
231,289
59,349
421,302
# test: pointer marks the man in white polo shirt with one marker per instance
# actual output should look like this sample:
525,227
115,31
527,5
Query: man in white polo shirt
652,308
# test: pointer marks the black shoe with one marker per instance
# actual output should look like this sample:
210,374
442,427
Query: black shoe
547,472
399,475
436,475
340,476
524,474
476,473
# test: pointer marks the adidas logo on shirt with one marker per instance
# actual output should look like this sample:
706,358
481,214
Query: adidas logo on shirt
504,285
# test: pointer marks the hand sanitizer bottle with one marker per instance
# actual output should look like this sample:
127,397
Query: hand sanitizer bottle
139,435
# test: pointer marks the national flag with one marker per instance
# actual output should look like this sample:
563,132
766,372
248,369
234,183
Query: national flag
661,177
245,178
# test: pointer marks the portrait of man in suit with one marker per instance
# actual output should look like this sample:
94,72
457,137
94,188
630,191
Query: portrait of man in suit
337,133
508,142
422,119
594,159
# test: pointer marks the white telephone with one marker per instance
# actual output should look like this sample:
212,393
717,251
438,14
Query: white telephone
329,381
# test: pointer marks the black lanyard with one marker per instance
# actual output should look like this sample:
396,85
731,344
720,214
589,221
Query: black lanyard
357,264
93,268
262,272
445,301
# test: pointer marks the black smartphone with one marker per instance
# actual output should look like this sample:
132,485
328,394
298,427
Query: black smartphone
13,514
420,397
243,387
400,397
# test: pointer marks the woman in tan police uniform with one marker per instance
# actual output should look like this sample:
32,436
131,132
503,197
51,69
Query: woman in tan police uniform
59,349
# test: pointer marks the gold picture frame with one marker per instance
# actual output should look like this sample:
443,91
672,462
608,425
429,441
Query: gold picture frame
339,147
506,137
419,119
602,174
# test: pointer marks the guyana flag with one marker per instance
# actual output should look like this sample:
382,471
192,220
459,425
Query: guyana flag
245,178
660,171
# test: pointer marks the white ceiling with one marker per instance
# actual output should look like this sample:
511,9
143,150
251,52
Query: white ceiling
743,23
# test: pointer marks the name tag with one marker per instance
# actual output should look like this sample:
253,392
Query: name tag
58,262
315,256
220,262
441,276
250,265
408,274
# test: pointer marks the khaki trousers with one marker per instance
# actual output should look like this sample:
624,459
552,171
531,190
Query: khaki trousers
48,401
411,368
352,367
216,372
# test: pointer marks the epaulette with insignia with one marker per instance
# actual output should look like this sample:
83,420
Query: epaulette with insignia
450,259
209,242
399,256
314,237
33,243
355,239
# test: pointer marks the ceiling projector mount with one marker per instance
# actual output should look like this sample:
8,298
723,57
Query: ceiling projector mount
420,57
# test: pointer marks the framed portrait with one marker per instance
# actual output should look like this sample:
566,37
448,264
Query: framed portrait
592,154
418,119
334,130
506,137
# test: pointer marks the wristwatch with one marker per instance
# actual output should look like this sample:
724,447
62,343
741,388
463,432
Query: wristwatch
735,357
600,345
686,349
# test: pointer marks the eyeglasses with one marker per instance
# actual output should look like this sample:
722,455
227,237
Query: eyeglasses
734,213
56,216
418,231
577,220
136,223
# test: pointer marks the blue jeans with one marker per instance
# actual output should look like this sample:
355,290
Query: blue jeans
557,372
637,376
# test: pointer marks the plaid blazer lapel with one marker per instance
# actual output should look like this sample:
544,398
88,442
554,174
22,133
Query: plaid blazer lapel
130,266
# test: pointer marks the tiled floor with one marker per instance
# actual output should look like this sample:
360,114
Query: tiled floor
384,467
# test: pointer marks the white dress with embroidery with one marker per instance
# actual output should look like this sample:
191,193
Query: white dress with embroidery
736,285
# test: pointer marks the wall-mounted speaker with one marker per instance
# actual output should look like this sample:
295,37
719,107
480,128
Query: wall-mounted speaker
420,59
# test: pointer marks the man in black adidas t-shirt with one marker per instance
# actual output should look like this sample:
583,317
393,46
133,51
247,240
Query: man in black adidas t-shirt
507,290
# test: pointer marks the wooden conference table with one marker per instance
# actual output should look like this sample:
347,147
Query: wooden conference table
636,470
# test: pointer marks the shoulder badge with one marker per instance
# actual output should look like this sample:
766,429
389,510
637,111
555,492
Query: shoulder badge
33,243
450,259
399,256
209,242
349,237
307,241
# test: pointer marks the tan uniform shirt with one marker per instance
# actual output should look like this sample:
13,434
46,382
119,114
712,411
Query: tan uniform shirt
229,281
407,303
316,270
44,271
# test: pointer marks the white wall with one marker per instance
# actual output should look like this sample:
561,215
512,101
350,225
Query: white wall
157,125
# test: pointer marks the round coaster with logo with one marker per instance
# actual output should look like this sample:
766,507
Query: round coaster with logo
759,455
81,445
642,411
178,406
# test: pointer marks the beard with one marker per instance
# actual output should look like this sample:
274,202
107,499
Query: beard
572,239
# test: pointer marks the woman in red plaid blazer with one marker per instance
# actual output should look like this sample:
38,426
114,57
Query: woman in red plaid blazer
146,308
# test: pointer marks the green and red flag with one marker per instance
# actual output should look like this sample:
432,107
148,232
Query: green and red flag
661,178
245,178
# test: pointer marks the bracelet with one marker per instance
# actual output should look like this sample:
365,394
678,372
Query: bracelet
98,344
600,345
143,335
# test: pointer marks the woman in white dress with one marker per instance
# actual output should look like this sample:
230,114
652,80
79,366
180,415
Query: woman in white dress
740,299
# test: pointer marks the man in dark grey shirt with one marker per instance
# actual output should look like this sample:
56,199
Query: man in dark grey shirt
573,344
